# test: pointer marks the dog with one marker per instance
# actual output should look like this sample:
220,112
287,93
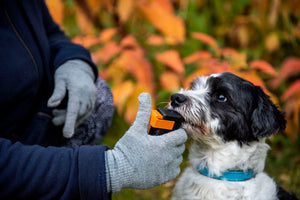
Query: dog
228,120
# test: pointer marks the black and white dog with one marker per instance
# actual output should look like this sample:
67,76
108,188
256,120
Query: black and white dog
228,120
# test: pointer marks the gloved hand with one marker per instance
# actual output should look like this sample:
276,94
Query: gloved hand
76,77
142,161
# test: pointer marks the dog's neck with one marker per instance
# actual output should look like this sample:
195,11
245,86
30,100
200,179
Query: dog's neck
229,156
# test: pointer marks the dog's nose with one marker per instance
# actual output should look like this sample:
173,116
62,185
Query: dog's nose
177,100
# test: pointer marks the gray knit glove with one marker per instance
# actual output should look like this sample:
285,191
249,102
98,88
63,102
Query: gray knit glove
76,77
142,161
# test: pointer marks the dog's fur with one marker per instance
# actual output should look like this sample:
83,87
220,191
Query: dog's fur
228,120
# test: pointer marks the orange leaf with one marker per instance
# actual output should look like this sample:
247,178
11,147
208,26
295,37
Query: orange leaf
172,59
115,72
129,42
199,55
124,9
215,66
132,104
165,4
243,35
140,67
169,81
133,61
78,39
121,94
85,25
293,90
86,41
237,60
94,5
289,67
272,42
106,53
263,66
155,40
107,34
233,54
210,41
160,14
56,9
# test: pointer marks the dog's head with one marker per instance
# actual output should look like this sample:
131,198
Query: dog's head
224,107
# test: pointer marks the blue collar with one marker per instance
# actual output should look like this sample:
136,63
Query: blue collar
228,175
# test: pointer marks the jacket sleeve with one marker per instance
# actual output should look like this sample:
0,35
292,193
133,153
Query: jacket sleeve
61,48
35,172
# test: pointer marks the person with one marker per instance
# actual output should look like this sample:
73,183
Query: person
48,88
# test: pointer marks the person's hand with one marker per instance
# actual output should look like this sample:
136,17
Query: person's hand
76,77
142,161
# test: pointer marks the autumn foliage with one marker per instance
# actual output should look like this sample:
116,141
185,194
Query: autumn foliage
159,46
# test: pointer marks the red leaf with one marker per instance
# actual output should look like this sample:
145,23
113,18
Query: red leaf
289,67
155,40
293,90
263,66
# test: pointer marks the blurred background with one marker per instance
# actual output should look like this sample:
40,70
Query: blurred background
159,46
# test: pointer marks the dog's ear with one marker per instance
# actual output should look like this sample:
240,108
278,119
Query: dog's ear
266,118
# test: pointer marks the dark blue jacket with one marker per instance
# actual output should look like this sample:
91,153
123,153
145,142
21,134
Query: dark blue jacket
32,47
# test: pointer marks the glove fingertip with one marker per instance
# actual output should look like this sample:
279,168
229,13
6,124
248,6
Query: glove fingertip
144,111
57,122
68,133
144,96
145,100
53,101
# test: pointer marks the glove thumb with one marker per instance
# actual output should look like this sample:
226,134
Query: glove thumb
58,94
143,115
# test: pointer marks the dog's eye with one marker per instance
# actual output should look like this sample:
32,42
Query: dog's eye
222,98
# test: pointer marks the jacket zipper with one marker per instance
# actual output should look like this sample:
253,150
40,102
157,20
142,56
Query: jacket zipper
24,44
